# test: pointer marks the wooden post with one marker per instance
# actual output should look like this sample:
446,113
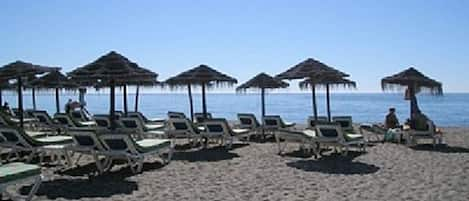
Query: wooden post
57,100
20,101
328,99
263,102
125,99
315,108
204,104
191,105
34,98
136,98
112,108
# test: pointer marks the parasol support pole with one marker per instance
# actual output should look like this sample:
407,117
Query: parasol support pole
20,101
414,108
113,102
204,104
125,99
1,98
328,99
34,98
136,97
263,101
191,105
57,100
315,108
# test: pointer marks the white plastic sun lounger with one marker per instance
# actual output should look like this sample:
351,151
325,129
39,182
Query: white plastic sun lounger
18,173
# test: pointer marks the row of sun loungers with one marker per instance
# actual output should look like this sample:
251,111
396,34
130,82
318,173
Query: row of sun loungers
138,137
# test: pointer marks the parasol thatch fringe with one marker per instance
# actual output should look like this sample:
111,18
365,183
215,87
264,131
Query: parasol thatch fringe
262,81
412,77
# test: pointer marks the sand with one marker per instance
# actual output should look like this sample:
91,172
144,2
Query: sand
386,171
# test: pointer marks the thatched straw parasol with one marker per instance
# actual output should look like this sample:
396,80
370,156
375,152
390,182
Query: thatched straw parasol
111,70
19,70
316,71
54,80
4,85
201,75
262,81
414,81
329,82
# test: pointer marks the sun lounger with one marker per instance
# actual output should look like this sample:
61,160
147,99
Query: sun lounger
17,173
102,121
134,125
412,136
272,123
306,138
219,129
178,128
172,114
199,117
144,119
17,140
87,142
345,122
248,121
311,122
333,135
122,146
66,121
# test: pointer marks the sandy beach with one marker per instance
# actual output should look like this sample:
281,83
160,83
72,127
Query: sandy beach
387,171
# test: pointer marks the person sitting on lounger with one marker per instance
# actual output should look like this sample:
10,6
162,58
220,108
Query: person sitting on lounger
391,119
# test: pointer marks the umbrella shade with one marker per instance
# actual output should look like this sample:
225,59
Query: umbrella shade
54,80
201,75
316,71
111,70
328,82
415,82
262,81
112,67
18,70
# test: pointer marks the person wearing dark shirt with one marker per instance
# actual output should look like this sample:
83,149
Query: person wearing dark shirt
391,119
68,106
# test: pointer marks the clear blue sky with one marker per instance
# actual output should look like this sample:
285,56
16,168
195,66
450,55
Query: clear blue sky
367,39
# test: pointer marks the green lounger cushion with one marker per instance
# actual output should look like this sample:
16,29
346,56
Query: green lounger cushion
16,171
58,139
148,145
349,137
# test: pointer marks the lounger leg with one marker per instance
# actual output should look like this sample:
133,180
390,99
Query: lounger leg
67,158
37,183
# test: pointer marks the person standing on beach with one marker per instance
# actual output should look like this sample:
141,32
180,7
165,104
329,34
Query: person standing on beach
68,106
391,121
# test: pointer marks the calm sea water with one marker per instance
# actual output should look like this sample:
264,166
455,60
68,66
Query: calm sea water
448,110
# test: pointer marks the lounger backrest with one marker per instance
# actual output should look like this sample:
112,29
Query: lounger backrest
344,121
311,122
102,121
137,115
273,122
176,115
43,117
329,133
180,126
217,127
248,121
64,120
3,122
199,117
132,123
14,138
86,139
119,143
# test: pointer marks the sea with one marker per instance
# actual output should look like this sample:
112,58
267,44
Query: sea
449,110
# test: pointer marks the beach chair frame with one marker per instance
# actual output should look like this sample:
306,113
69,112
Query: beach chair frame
178,128
337,139
15,141
412,136
37,180
134,157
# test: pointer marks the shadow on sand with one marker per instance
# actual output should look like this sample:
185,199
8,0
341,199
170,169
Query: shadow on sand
440,148
335,164
105,186
208,154
123,171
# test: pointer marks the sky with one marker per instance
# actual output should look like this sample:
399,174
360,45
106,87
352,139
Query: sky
367,39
